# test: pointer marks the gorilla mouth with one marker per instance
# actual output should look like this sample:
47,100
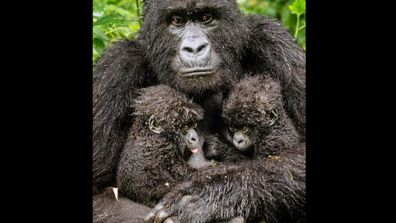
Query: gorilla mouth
194,72
195,150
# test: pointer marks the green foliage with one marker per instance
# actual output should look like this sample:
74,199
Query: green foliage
298,8
113,20
120,19
281,10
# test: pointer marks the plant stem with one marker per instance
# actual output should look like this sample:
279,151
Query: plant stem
297,26
302,27
138,12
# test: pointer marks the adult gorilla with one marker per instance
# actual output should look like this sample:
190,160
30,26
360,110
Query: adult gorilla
200,48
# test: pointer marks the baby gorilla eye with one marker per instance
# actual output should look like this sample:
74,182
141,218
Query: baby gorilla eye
177,20
206,18
246,130
185,129
232,129
194,125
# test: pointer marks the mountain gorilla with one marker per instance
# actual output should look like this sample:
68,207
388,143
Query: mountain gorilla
162,139
202,48
256,121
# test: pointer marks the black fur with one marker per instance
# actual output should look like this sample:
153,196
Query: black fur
119,73
272,50
218,150
250,104
151,163
245,44
270,188
107,209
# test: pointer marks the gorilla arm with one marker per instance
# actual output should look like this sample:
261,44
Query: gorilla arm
273,50
148,175
117,75
271,188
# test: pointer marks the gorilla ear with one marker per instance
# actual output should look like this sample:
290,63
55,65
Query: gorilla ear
189,110
154,126
273,115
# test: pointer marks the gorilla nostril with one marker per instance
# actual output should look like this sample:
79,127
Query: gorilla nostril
201,47
240,141
193,139
188,49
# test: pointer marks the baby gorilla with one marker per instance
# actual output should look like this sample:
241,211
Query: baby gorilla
161,139
257,123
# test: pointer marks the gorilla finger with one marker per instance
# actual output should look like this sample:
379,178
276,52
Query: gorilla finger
149,218
161,216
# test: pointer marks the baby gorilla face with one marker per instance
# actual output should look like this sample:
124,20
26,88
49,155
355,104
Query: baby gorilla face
241,137
191,138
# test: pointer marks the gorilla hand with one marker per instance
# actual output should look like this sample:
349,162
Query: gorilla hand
164,211
160,214
189,209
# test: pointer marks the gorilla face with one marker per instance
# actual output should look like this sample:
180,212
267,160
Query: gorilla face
196,44
243,138
196,62
192,141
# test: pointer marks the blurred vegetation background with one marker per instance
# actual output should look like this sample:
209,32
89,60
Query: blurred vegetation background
116,19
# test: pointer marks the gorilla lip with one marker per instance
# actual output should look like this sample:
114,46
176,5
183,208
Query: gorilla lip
195,72
195,150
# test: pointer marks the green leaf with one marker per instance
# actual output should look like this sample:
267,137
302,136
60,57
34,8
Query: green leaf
99,44
110,19
298,7
98,7
97,34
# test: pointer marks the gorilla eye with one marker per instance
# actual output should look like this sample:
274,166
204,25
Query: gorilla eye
194,125
206,18
177,20
185,129
246,130
232,129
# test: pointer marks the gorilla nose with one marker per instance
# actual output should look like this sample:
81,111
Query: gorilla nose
192,137
194,50
194,47
239,142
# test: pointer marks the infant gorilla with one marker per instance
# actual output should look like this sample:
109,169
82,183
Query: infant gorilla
257,124
161,140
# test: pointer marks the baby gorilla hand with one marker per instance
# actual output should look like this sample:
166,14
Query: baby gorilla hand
189,209
160,214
